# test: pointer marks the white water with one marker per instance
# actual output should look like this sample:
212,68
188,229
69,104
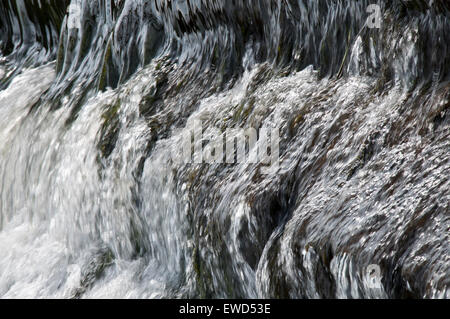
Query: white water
59,210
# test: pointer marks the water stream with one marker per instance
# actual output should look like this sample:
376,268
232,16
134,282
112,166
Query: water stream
97,96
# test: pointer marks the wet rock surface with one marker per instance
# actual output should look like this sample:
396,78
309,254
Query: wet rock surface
92,203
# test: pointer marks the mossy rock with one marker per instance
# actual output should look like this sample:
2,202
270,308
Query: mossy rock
109,131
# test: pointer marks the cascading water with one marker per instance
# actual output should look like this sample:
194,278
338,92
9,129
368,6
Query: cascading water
96,96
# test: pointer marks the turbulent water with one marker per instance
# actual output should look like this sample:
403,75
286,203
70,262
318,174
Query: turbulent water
96,96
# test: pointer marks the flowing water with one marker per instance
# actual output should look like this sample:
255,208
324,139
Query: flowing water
97,96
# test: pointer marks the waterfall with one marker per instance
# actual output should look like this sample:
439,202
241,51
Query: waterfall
224,149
